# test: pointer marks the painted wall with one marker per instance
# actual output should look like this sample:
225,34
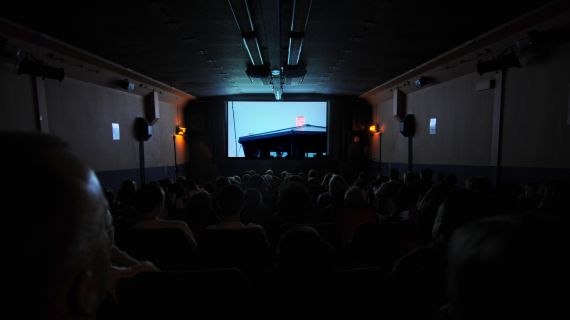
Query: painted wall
535,133
16,103
81,113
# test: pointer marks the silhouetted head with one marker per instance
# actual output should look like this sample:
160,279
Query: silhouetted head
59,235
509,267
312,173
426,175
127,191
256,181
252,197
337,186
394,174
220,183
326,179
411,179
245,179
460,207
294,200
150,200
355,197
200,199
302,250
230,200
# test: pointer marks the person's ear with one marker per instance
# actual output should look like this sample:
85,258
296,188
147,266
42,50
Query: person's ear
85,295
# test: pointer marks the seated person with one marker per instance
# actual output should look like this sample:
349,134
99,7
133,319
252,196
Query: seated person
60,230
509,267
150,202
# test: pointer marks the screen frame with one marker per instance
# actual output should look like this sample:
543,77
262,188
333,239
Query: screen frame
226,128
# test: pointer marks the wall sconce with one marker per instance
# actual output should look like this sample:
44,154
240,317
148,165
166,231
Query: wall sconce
180,131
373,128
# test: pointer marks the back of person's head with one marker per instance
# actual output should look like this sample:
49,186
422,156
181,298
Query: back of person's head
245,179
460,207
394,174
127,191
256,181
337,186
509,267
355,197
236,180
110,196
410,179
220,183
450,180
150,199
293,178
294,200
326,179
58,235
426,175
554,197
252,197
479,184
200,199
323,200
230,200
303,250
313,173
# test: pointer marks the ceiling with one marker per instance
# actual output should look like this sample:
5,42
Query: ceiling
196,46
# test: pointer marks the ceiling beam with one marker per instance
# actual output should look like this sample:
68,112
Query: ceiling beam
12,30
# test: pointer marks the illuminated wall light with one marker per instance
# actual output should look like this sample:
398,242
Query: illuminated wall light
180,131
373,128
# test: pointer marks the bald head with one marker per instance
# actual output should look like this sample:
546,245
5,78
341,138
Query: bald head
60,227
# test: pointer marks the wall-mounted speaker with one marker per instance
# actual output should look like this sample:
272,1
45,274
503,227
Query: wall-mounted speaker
399,104
408,126
143,129
151,107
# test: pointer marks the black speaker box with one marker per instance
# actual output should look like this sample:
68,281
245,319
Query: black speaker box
408,126
143,130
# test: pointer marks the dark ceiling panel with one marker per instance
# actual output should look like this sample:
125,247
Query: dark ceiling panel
349,46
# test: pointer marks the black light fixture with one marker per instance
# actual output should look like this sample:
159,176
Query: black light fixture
502,62
299,20
242,15
37,68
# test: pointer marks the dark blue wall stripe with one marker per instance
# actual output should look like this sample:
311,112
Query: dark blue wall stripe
462,172
113,178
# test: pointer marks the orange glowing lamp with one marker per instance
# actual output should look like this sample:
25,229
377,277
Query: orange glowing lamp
180,131
373,128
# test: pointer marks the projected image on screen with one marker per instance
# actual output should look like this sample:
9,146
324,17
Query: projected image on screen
277,130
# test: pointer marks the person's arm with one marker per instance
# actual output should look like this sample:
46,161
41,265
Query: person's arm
189,235
125,266
121,258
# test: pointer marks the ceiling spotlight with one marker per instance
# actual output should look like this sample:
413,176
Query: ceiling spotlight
278,92
422,81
